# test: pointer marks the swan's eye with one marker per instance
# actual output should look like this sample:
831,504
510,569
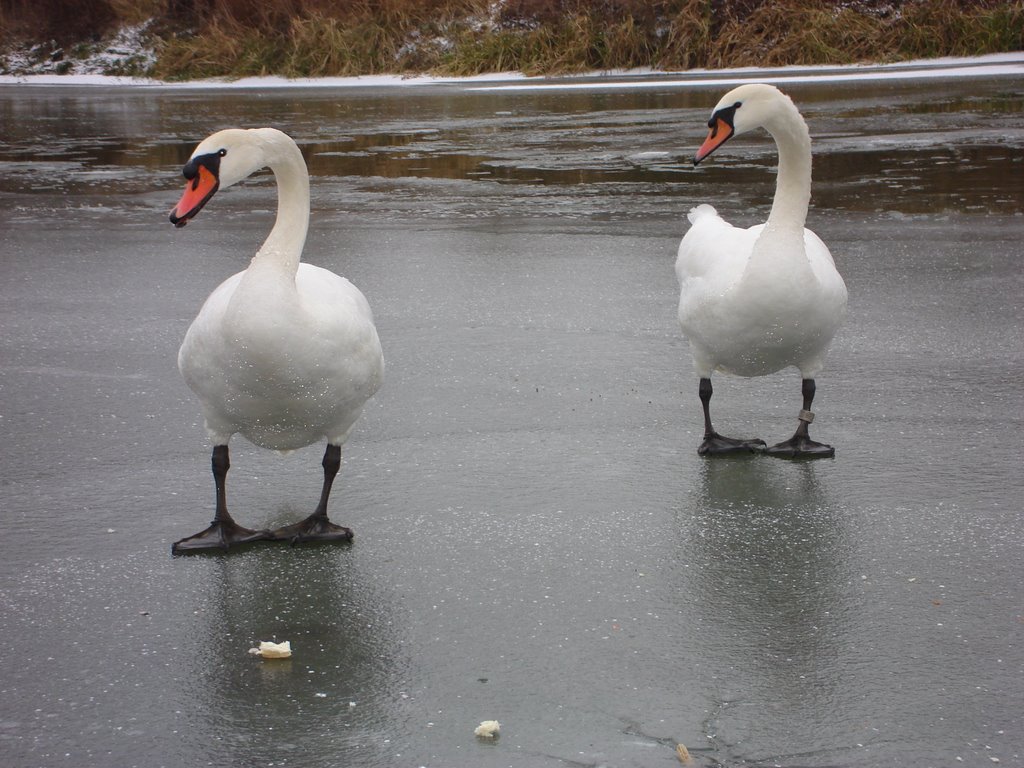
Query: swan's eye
724,115
210,161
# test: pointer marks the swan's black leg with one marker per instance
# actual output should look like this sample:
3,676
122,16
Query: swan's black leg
223,531
800,445
317,527
714,444
704,392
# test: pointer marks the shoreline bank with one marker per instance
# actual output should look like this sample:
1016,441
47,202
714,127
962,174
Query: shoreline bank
997,64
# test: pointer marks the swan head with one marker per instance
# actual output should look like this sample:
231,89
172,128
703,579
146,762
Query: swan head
220,160
750,106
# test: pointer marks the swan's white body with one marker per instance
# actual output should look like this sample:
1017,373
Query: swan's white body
754,301
283,353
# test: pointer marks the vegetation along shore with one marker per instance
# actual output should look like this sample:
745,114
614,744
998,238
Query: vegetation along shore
192,39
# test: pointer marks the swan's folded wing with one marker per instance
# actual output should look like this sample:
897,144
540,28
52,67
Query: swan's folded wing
341,320
713,250
828,277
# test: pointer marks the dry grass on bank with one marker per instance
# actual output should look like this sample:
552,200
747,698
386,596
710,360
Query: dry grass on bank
312,38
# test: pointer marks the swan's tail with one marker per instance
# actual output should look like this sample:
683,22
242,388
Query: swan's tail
700,212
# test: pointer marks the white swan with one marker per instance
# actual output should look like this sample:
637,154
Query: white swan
283,353
754,301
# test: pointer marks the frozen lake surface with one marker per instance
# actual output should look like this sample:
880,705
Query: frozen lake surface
536,539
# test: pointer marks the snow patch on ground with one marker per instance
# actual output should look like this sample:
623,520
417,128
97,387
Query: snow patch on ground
128,50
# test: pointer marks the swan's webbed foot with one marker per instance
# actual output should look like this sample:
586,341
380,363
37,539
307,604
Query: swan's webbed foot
716,445
801,447
316,527
221,534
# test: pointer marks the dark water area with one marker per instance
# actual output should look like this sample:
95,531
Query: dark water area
536,539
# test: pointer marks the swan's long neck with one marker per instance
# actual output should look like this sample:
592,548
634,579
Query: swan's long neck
779,254
283,246
793,184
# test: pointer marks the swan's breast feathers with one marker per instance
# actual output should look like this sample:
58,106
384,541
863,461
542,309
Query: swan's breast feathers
283,369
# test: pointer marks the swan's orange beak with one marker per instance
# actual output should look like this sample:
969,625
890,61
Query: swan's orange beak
717,136
198,192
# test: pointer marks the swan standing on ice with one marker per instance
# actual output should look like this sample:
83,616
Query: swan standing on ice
754,301
283,353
